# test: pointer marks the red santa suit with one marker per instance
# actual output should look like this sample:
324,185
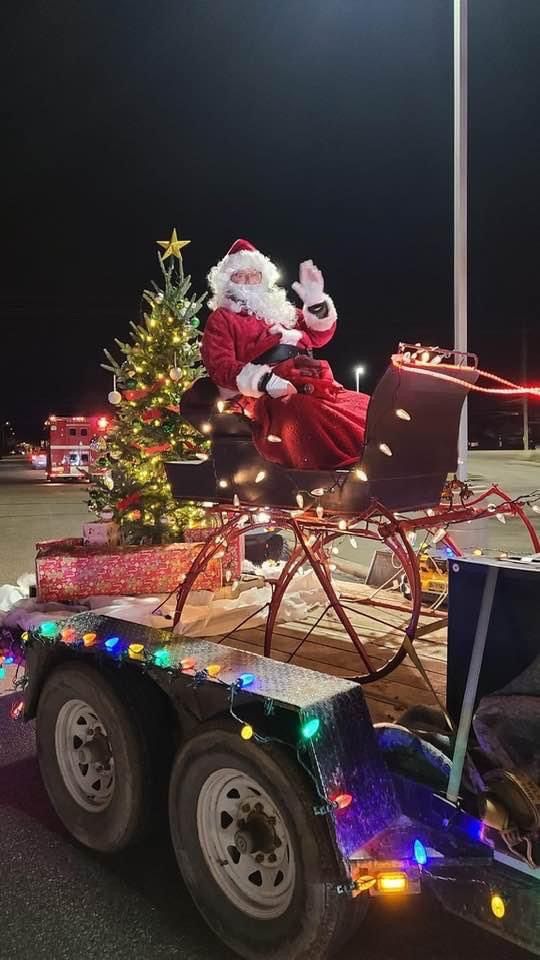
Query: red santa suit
320,424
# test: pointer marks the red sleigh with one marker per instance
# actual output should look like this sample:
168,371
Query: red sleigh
400,487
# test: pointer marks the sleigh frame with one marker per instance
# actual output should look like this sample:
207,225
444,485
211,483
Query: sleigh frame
400,489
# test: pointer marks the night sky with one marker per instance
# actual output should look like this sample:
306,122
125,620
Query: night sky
315,128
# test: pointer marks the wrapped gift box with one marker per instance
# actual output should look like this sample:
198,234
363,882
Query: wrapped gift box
234,555
70,570
102,533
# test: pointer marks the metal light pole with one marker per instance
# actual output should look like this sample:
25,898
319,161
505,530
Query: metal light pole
359,371
525,396
460,208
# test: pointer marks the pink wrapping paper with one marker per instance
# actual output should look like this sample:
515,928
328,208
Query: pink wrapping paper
69,570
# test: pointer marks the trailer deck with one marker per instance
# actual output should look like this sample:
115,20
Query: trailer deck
327,649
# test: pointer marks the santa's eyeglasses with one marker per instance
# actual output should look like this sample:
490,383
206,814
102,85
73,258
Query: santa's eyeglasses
246,276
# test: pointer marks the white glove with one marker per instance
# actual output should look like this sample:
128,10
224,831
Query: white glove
310,289
288,336
277,387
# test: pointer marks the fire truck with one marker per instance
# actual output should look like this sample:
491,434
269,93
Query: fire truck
72,446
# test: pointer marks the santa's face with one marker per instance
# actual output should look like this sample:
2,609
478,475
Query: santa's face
252,289
247,276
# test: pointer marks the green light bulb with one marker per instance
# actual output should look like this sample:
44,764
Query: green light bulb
162,658
310,727
48,629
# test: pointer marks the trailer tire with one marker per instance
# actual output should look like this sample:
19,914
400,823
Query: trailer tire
311,919
126,719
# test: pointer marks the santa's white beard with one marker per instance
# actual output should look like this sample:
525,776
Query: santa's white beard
268,303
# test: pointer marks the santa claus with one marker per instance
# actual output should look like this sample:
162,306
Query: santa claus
257,347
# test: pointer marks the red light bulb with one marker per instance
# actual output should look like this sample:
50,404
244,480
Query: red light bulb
342,801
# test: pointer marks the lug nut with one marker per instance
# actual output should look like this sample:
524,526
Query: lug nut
259,857
272,858
245,808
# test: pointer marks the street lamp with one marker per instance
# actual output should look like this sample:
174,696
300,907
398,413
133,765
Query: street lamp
460,207
359,371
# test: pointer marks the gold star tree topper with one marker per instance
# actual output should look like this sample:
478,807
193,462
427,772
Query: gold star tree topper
173,246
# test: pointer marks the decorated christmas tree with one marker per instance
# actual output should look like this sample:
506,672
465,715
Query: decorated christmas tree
158,365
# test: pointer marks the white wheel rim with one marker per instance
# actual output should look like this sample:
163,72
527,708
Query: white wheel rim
246,844
84,755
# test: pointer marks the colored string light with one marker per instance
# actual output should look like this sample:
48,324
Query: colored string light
89,639
188,663
245,680
420,853
136,651
246,731
16,709
112,642
162,658
342,801
213,669
48,629
310,728
498,907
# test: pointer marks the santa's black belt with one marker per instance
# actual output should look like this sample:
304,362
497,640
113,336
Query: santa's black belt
281,352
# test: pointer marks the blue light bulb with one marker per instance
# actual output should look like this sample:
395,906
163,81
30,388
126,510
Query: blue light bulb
420,853
112,642
245,679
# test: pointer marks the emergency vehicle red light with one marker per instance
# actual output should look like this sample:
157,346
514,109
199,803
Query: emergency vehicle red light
103,423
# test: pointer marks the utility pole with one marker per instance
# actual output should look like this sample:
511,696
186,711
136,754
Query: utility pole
524,381
460,208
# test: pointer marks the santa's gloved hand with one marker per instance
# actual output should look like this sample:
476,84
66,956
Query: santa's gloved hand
277,388
310,289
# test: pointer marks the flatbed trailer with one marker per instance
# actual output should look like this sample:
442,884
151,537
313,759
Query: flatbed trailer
286,811
288,807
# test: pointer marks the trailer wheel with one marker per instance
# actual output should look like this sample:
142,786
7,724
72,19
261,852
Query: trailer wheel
95,750
258,863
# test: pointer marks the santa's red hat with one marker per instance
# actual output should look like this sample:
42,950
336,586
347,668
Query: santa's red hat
243,255
240,245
